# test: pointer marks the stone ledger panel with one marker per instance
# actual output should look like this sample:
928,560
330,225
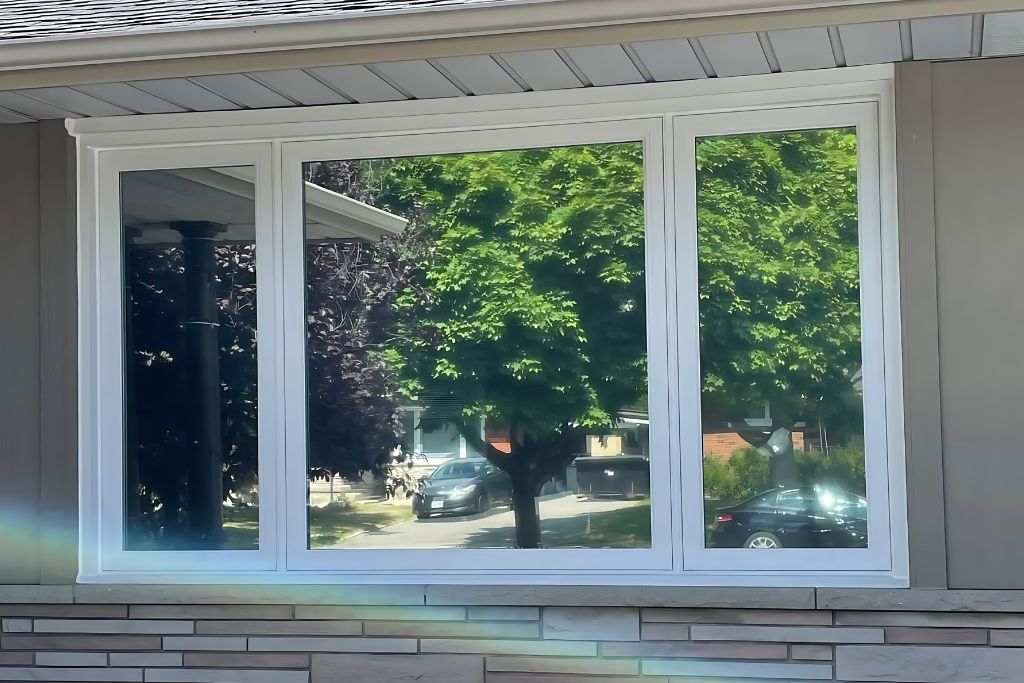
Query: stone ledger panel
271,641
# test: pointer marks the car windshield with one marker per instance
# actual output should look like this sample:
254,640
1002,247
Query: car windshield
457,470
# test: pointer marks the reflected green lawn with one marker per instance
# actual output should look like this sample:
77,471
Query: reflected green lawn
327,525
628,527
333,523
242,528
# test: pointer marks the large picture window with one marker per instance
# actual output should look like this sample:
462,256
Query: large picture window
622,344
476,322
477,339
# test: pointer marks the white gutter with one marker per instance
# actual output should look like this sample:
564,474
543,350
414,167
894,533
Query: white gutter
324,206
496,19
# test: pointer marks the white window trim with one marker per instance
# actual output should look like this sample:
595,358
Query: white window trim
102,510
659,555
277,140
863,117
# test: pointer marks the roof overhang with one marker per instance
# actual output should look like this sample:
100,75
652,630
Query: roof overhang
329,215
466,30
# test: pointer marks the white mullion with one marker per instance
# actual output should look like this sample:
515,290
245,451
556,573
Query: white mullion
280,518
688,349
672,332
268,394
293,277
893,336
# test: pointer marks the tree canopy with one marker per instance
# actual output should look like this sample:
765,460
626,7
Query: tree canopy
779,273
536,314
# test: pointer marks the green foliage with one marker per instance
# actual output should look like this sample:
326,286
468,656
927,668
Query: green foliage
779,274
745,473
536,308
748,472
842,467
333,523
627,527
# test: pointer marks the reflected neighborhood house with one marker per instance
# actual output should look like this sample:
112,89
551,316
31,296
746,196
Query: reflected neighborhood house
430,438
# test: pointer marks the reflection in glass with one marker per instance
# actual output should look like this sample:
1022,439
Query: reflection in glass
476,354
189,246
780,331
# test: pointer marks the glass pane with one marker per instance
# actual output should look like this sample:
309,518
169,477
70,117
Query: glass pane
780,332
477,361
189,245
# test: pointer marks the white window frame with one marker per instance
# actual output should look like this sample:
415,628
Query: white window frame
659,556
661,115
863,117
102,509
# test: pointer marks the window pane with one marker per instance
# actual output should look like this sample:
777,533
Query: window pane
780,332
477,359
190,359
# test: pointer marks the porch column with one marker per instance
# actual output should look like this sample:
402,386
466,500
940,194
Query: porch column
202,422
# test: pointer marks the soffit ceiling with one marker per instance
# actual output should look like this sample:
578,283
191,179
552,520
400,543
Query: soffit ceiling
714,56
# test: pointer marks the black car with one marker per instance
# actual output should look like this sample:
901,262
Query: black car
805,517
465,485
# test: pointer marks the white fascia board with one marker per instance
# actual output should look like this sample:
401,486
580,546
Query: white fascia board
429,24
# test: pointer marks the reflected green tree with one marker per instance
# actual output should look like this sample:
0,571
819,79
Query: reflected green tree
779,285
535,310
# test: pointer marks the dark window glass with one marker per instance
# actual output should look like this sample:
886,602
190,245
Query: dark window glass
191,451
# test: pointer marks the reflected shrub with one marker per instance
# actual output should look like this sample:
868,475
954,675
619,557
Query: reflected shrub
748,472
842,467
745,473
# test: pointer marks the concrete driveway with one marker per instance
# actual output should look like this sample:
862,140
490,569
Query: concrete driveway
562,517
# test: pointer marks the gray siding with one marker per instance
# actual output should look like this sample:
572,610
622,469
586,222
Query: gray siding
19,353
919,311
978,134
37,355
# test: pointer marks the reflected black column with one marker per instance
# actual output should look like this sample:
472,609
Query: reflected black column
202,382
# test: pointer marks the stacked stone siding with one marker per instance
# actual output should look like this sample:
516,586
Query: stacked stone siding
181,634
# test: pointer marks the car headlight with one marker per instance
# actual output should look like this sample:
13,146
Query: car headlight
462,491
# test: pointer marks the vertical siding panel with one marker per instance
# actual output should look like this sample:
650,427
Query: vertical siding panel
58,356
19,353
919,309
978,147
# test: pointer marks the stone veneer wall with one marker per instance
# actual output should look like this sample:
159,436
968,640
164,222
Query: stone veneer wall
473,634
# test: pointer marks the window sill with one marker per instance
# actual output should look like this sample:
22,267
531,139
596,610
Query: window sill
874,599
764,592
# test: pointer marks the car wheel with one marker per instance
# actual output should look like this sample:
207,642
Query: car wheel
422,515
762,539
482,503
